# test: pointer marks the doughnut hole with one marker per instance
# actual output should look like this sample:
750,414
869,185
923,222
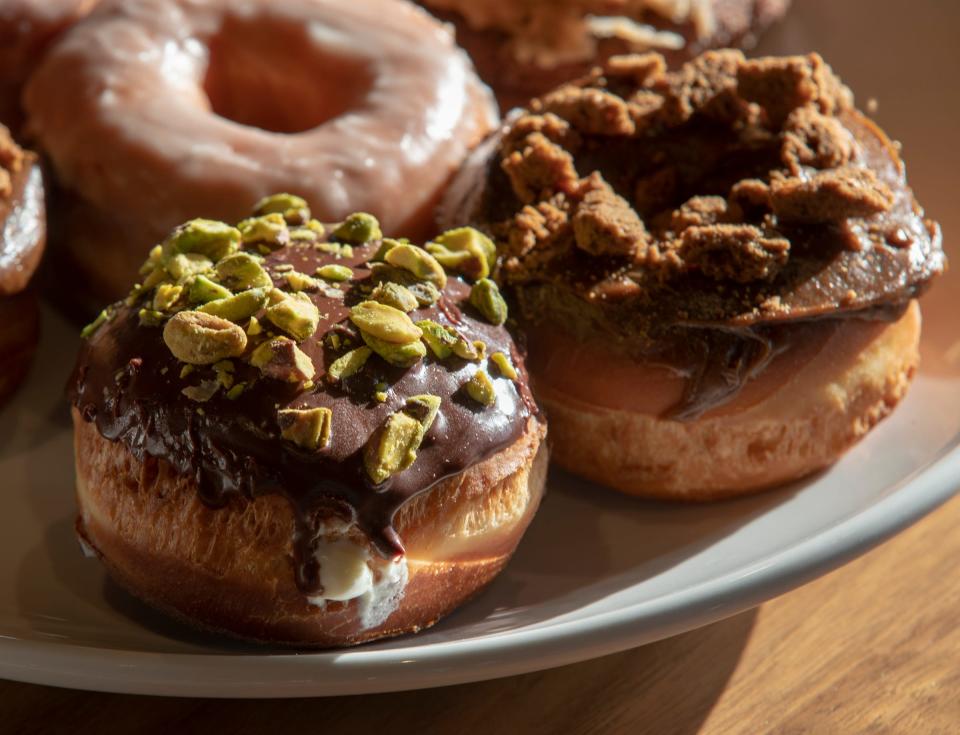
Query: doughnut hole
261,73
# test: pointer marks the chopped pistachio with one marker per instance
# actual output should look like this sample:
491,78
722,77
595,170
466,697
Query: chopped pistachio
154,279
348,364
102,318
384,322
419,262
154,260
470,240
283,268
166,296
203,290
185,265
308,428
393,447
386,245
426,293
337,249
334,341
335,272
470,264
151,317
395,295
275,296
236,391
269,231
203,339
224,370
480,388
134,294
298,317
301,282
358,229
241,271
207,237
292,208
468,350
439,338
396,354
504,365
486,298
253,327
238,307
380,396
186,370
280,358
203,392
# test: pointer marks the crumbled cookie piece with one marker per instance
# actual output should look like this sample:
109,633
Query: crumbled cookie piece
639,69
830,196
811,138
540,169
555,129
699,212
781,85
590,111
738,253
605,224
705,86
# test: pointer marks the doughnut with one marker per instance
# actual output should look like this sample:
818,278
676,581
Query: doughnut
716,268
525,48
159,111
305,435
22,240
27,28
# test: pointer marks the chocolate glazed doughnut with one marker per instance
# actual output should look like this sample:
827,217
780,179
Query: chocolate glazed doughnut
22,240
158,111
524,48
716,268
302,438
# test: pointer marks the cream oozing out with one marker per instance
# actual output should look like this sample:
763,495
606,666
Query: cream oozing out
349,571
128,112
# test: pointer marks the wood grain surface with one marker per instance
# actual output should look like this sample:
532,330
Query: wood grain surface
872,648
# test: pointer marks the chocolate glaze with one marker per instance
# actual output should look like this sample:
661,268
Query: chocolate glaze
127,382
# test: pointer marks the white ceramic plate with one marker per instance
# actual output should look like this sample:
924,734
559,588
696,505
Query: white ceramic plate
597,573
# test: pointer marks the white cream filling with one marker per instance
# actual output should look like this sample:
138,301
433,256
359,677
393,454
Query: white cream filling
348,571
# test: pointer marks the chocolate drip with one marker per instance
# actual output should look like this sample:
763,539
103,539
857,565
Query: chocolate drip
128,383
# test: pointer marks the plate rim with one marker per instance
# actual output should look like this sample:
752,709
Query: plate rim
505,653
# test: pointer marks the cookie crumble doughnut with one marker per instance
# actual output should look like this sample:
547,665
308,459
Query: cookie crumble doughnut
303,435
717,269
158,111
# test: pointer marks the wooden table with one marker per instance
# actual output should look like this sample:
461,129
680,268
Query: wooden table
871,648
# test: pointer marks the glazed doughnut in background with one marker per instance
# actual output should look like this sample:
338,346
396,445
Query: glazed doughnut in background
524,48
22,241
716,269
27,28
161,110
304,438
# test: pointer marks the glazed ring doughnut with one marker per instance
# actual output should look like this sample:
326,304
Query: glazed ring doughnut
304,438
161,110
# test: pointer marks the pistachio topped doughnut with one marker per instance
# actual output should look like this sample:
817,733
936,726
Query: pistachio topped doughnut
159,111
304,434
